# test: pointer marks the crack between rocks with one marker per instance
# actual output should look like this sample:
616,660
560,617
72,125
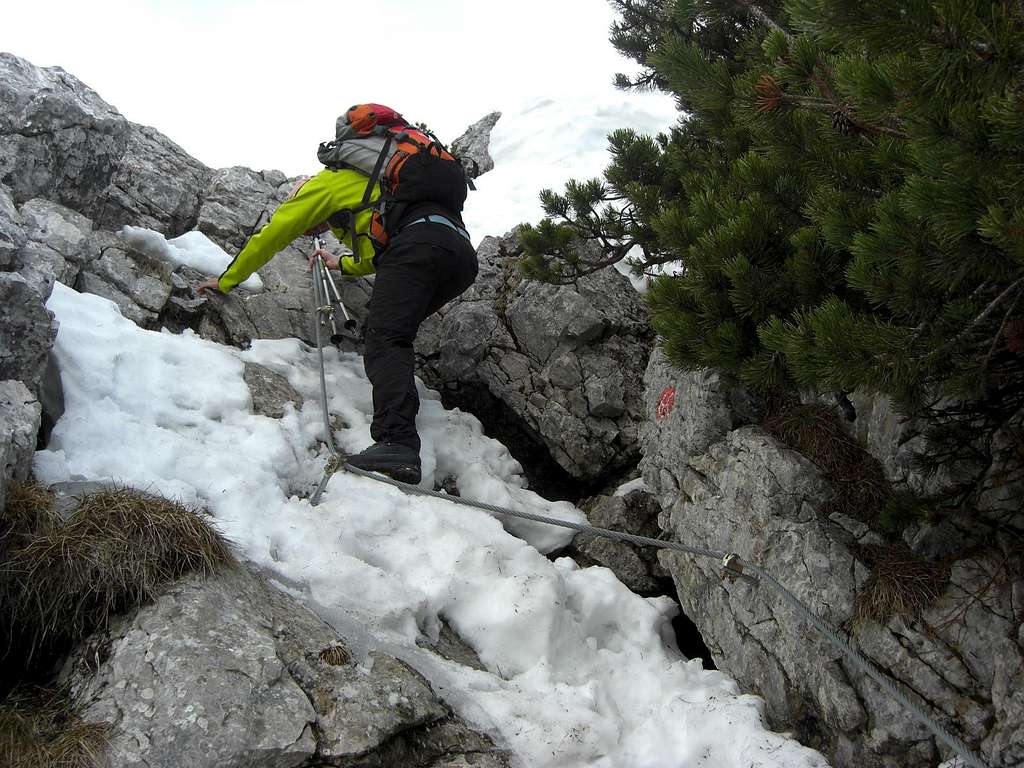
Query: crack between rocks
314,728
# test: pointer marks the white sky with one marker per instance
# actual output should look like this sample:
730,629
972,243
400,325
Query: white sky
263,82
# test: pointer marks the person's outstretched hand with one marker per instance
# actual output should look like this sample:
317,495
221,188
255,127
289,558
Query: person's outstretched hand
330,260
209,284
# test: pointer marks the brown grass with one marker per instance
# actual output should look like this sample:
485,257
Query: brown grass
24,504
335,655
861,490
61,579
901,584
40,729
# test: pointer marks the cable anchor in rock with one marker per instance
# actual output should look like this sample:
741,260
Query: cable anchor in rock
732,569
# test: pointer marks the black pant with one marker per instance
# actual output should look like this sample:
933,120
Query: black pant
423,268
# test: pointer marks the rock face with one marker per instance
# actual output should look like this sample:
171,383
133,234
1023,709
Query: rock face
59,140
562,363
26,331
730,486
231,672
20,417
685,414
12,230
895,441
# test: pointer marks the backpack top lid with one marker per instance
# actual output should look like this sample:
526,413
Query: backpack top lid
366,119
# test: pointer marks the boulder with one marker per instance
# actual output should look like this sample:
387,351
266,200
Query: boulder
20,417
229,671
635,512
271,392
563,363
27,332
958,658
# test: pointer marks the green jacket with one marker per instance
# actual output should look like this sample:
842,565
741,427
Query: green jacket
323,195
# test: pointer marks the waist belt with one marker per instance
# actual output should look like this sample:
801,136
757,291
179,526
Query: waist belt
437,219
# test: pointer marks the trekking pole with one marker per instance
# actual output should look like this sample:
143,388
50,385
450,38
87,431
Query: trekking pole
332,294
321,297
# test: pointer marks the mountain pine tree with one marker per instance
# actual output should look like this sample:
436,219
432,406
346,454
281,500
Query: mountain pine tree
840,206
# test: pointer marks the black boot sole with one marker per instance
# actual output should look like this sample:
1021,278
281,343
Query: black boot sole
404,474
410,475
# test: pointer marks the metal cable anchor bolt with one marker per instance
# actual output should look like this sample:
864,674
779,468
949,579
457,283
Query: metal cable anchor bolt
732,569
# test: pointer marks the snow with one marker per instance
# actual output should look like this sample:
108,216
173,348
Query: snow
633,485
579,670
192,249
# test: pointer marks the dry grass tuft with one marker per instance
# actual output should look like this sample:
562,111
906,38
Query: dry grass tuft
40,729
25,504
901,584
64,578
335,655
861,490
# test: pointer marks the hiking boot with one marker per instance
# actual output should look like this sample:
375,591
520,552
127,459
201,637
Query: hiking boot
392,459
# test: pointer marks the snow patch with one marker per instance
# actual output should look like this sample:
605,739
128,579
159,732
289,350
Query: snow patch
192,249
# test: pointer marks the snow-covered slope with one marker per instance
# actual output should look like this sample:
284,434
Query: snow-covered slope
579,671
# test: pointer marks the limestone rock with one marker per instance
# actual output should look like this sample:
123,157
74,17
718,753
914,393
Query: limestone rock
562,365
751,495
20,415
237,202
271,392
146,281
155,184
637,513
685,413
473,146
12,230
58,227
232,672
26,331
58,138
89,282
57,245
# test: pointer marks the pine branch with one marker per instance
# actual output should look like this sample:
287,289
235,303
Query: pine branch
759,13
999,333
980,318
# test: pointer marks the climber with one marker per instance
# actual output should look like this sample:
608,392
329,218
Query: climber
399,229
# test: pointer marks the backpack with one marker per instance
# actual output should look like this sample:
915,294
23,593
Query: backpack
410,164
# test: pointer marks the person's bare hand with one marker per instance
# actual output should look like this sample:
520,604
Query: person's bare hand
209,284
330,260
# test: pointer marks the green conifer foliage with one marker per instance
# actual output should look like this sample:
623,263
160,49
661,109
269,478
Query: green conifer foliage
840,206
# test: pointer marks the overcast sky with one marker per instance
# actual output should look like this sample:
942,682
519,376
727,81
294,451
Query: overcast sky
260,83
